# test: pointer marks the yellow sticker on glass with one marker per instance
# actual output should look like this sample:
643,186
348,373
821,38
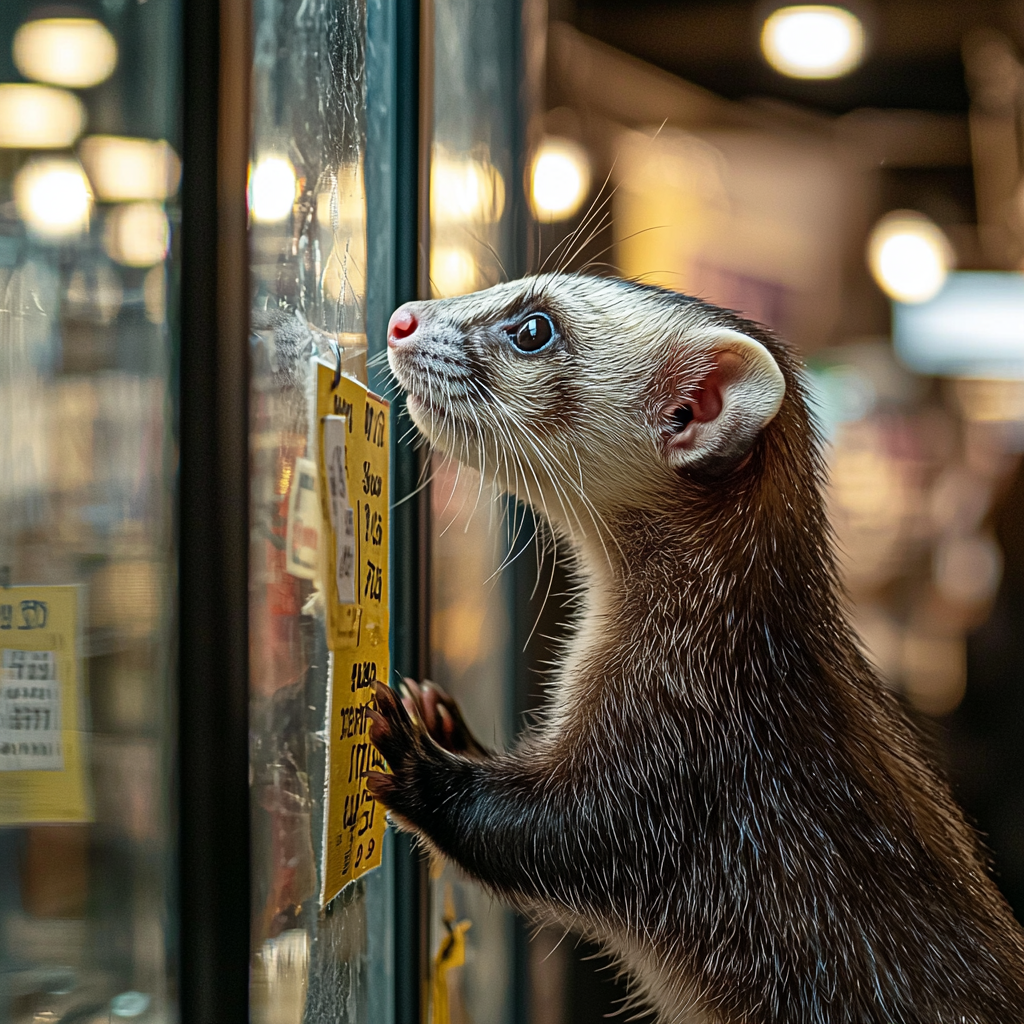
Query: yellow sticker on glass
451,953
42,737
354,449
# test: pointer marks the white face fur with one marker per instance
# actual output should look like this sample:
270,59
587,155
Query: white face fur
634,388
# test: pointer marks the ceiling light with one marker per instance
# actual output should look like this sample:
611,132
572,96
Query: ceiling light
38,117
272,185
909,256
53,198
123,169
813,41
559,179
76,52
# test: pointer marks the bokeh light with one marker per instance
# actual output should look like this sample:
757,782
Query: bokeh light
39,117
53,197
559,179
272,184
813,41
124,169
136,234
909,256
453,270
76,52
465,191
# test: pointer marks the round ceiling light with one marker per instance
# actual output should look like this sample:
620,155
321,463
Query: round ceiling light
909,256
53,197
813,41
74,52
559,179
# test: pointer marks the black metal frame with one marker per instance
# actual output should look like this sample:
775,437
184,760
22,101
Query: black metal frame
410,525
213,523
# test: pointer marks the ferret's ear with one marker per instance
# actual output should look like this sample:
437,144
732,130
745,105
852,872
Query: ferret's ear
713,425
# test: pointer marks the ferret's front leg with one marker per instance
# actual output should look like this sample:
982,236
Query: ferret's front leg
494,817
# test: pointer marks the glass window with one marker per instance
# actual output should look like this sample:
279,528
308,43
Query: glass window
475,189
317,955
89,176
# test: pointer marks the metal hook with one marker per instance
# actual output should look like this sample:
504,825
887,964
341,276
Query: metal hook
337,366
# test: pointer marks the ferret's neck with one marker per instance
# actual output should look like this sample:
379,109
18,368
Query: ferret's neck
756,585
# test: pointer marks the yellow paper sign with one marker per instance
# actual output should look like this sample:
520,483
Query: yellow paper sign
354,449
451,953
42,758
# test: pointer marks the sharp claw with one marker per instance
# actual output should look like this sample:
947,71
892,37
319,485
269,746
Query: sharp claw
379,785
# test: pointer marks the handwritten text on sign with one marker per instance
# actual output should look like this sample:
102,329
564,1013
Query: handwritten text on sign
354,455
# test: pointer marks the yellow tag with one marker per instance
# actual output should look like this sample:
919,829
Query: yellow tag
42,760
450,953
354,449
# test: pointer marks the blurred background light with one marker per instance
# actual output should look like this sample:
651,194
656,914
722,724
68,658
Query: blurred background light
76,52
53,197
812,41
974,327
909,256
272,185
39,117
967,570
136,234
124,169
465,190
559,178
453,270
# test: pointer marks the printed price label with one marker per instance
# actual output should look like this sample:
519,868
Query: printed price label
42,754
29,712
354,473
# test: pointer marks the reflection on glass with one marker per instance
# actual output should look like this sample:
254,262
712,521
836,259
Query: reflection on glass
453,271
271,189
472,205
76,52
137,234
465,190
39,117
87,454
53,197
307,205
124,169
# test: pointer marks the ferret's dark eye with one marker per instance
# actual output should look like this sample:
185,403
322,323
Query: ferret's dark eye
532,334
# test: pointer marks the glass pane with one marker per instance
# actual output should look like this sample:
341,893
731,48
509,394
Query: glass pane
308,236
473,187
88,184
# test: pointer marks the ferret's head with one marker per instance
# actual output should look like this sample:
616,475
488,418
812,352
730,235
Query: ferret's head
580,391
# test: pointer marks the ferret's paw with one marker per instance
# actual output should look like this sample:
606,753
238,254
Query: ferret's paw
411,755
439,713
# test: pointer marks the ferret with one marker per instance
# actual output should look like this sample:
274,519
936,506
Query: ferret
721,791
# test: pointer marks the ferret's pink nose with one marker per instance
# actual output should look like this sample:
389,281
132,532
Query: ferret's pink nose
403,323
